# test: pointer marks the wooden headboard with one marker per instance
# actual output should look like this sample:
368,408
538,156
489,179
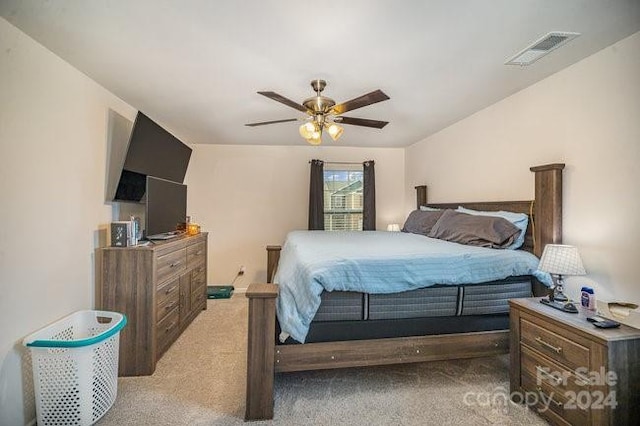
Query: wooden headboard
545,211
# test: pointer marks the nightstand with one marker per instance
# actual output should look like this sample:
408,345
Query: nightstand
571,372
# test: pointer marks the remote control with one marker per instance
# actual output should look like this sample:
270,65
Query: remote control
603,322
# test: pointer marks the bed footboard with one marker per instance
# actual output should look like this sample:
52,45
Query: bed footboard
260,351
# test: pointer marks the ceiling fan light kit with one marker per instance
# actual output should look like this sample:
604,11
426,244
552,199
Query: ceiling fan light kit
324,113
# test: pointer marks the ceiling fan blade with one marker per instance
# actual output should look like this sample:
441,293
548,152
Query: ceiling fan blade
262,123
282,99
361,122
359,102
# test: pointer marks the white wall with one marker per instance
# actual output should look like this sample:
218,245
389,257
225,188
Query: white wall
587,116
248,197
53,149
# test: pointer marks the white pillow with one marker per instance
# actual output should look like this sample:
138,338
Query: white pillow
520,220
429,209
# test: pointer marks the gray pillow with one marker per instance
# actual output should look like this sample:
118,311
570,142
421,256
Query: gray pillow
421,222
482,231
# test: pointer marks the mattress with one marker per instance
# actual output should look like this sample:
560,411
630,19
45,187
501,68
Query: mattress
437,301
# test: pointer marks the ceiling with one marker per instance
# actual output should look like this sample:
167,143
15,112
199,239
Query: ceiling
195,66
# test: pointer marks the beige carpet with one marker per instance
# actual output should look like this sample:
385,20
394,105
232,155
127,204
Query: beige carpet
201,381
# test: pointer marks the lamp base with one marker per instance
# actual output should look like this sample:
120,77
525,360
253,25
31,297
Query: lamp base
559,296
561,306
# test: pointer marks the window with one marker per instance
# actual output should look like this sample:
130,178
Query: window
343,198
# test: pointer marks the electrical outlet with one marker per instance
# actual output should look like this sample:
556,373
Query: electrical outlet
241,270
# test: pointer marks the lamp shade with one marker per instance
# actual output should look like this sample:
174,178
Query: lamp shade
307,129
393,227
335,131
561,259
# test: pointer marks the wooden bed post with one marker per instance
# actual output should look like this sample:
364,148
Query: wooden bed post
260,351
421,196
273,256
548,206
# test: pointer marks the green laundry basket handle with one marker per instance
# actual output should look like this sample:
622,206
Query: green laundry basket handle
115,328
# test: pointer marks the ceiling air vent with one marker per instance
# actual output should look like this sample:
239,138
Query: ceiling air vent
541,47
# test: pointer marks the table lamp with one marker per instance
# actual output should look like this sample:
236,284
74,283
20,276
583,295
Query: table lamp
560,260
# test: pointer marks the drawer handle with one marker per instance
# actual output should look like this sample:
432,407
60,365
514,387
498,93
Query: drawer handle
556,403
170,306
584,381
556,349
199,252
555,380
170,290
174,264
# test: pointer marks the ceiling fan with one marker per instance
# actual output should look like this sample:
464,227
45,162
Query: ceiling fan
324,114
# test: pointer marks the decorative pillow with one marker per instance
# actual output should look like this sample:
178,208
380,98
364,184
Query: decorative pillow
429,209
474,230
520,220
421,222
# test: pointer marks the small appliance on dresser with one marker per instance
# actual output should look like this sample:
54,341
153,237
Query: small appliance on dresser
571,372
121,234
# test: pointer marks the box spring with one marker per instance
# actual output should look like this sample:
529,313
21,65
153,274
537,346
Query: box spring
440,309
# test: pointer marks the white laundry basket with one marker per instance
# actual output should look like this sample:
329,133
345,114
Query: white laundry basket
75,367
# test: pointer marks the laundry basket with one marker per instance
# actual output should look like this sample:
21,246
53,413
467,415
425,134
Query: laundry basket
75,367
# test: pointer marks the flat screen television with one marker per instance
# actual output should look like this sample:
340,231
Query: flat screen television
166,207
152,151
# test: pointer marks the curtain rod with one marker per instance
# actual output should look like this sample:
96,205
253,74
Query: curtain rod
340,162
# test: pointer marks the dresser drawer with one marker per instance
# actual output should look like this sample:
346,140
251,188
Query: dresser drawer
554,345
197,298
199,276
167,299
167,290
196,254
167,329
170,264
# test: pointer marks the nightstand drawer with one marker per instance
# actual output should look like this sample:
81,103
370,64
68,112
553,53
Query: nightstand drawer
549,373
550,403
553,345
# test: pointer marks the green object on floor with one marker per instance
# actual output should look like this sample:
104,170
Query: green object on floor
219,291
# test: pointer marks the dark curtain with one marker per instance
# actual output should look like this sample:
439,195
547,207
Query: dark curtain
316,196
369,196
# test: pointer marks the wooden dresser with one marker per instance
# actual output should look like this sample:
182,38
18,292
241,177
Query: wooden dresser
583,374
161,288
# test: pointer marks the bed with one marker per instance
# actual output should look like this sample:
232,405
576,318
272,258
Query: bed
447,334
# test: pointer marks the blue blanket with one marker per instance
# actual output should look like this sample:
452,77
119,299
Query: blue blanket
380,262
